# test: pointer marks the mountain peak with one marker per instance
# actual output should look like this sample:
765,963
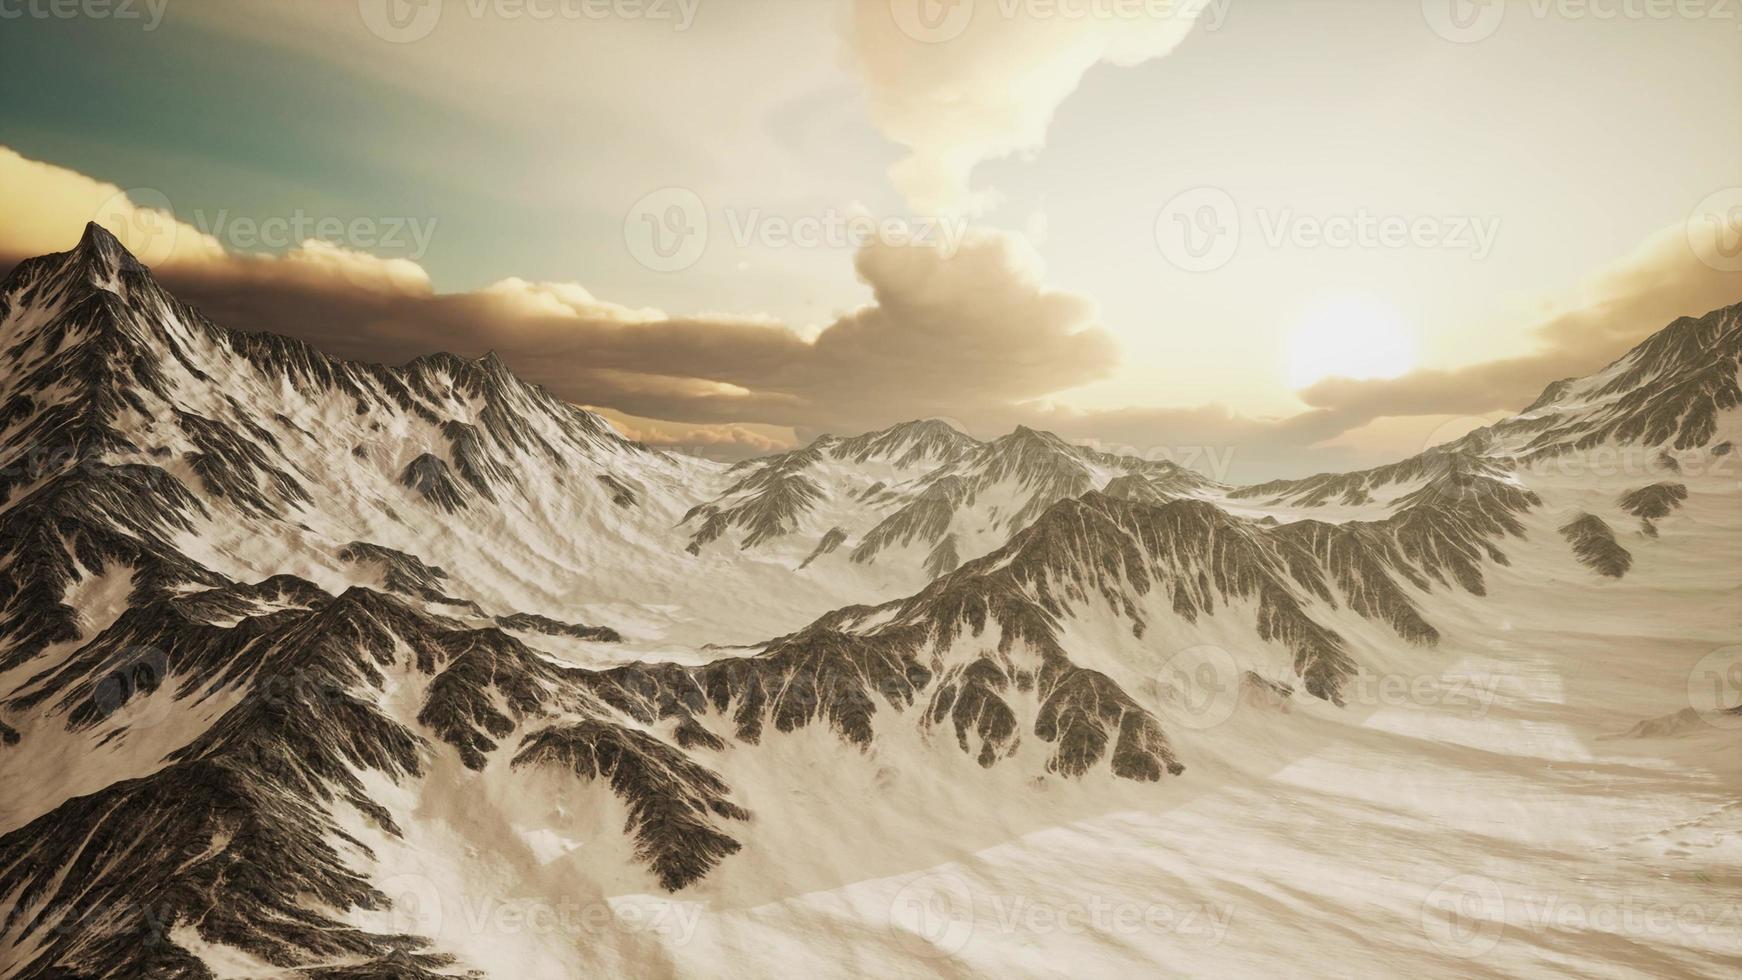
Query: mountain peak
926,425
930,440
102,254
1023,436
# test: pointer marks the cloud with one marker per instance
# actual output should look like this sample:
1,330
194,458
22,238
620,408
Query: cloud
43,203
961,82
728,442
1670,275
1665,278
976,336
945,334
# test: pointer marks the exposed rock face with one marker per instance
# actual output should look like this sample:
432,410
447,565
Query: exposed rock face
1594,542
926,442
1653,503
1134,486
943,558
405,574
534,623
832,539
924,486
233,834
1455,461
673,801
1035,469
429,475
771,496
766,503
1091,550
121,447
622,494
926,519
1668,390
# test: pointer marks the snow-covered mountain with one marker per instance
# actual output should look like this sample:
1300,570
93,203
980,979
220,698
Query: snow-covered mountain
806,495
921,496
299,653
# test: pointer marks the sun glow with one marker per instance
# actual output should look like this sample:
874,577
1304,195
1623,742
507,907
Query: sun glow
1351,337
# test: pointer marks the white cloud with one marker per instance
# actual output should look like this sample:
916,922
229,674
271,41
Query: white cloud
960,82
43,203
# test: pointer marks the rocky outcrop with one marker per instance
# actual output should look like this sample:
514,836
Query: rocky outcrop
1594,543
1653,503
405,574
832,539
534,623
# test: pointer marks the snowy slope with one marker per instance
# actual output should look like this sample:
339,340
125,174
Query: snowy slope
802,503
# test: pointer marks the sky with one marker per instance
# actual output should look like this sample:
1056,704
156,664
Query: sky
1277,238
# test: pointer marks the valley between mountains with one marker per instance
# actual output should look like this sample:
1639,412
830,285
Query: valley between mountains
325,669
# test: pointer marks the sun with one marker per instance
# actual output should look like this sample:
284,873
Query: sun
1350,337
